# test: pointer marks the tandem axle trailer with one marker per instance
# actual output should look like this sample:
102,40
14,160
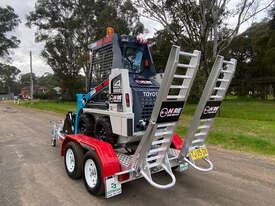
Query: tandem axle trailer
123,148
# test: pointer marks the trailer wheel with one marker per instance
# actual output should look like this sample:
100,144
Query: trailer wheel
92,174
73,160
86,124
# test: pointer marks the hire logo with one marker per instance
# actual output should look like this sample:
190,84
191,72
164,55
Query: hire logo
211,110
170,112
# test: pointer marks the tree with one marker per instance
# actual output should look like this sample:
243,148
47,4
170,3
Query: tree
8,76
255,51
68,27
25,79
199,25
48,80
8,21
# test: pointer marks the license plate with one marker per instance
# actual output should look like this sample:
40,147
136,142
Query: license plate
112,187
183,166
198,153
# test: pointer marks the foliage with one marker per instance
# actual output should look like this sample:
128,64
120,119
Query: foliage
8,75
68,27
25,79
8,21
255,51
48,80
197,25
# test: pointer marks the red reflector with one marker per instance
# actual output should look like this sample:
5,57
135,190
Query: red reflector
127,99
123,177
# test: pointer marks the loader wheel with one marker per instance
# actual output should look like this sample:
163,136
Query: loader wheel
68,127
103,130
92,174
86,124
73,160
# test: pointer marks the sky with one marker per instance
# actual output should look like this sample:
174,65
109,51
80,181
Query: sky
20,55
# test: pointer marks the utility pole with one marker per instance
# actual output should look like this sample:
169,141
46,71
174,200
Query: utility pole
31,79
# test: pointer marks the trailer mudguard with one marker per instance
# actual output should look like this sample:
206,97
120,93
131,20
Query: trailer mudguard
109,160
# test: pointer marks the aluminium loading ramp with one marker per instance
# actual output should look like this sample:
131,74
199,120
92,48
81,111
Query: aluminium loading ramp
152,151
209,105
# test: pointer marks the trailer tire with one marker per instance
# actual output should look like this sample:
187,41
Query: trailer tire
92,174
73,160
86,124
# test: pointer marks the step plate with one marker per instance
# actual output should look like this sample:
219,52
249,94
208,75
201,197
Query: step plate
126,160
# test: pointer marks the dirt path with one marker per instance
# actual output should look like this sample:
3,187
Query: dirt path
32,173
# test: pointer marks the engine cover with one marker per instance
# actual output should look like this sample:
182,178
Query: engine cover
144,92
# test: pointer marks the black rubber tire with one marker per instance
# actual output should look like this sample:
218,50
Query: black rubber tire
78,156
86,124
68,127
103,130
99,188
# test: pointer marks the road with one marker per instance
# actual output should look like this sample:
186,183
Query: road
32,173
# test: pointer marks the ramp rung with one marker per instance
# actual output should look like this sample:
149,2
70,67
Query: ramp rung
160,141
153,151
158,134
204,127
223,80
200,134
207,120
178,87
153,158
195,141
155,164
185,66
175,97
215,96
228,62
187,54
219,88
166,124
179,76
226,71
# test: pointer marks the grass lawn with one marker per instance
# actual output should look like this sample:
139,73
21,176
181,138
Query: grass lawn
242,125
55,106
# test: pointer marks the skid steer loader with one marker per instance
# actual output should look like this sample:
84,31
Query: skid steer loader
124,126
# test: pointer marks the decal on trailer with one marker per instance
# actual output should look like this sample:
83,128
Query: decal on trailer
211,109
116,98
170,111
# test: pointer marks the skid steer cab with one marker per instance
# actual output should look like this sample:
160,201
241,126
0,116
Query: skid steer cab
124,125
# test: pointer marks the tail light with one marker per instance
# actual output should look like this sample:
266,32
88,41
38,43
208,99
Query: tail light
123,177
127,99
